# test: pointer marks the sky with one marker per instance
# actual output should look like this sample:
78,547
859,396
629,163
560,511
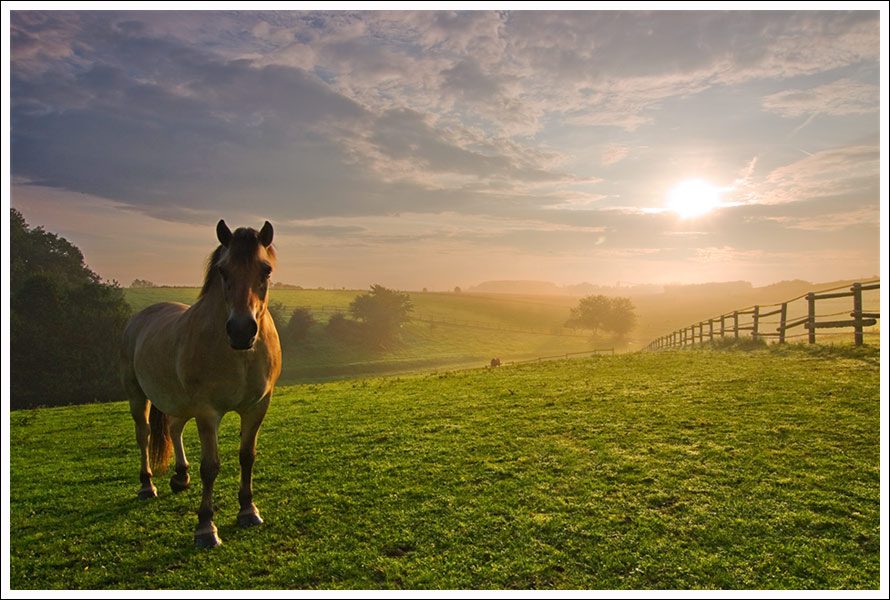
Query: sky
441,148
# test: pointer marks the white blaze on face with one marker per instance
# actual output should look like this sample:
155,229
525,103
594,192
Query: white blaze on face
692,198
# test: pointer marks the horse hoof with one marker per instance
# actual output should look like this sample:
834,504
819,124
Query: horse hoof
147,494
207,540
178,486
249,520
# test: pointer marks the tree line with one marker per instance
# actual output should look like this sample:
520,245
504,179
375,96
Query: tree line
65,323
377,319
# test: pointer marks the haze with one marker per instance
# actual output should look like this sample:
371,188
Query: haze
436,149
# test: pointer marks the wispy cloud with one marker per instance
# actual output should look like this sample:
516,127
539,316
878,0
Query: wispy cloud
838,171
834,221
842,97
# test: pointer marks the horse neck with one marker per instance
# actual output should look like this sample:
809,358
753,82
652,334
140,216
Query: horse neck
209,312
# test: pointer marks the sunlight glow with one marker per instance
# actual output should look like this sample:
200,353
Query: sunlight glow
693,198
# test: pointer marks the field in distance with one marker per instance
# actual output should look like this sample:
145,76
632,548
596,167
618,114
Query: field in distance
447,330
451,330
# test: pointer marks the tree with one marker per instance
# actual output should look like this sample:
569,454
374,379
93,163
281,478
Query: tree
382,312
602,313
142,283
65,323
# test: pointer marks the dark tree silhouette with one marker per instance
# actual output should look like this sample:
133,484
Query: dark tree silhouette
382,312
65,323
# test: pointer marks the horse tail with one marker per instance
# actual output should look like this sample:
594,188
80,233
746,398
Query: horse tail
160,446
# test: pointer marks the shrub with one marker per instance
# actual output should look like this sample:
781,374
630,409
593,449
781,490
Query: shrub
298,326
343,329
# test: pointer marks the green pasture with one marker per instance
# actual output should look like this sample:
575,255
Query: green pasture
698,469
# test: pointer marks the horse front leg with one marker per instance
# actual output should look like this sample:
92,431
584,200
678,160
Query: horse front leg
250,426
206,533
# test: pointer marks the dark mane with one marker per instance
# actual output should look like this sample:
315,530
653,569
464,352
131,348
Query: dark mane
210,274
242,248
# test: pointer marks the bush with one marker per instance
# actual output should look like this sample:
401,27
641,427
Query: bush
301,321
279,315
343,329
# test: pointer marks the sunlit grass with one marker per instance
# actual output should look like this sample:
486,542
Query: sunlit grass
692,469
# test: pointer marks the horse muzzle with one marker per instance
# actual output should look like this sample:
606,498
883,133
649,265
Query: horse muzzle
242,331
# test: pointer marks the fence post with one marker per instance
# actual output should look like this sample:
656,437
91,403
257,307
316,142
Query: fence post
722,325
811,316
857,312
735,326
783,318
701,333
756,322
711,330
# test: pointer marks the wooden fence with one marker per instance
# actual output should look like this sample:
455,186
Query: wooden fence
736,323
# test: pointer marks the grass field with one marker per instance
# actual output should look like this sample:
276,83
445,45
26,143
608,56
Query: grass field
690,469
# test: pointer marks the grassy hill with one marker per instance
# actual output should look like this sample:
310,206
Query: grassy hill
447,330
690,469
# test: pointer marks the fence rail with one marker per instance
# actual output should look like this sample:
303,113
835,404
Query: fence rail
858,321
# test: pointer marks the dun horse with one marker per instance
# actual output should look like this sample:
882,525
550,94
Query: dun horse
221,354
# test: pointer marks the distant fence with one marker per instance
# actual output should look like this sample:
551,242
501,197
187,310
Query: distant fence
564,355
736,324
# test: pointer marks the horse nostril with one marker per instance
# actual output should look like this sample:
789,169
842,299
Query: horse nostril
242,330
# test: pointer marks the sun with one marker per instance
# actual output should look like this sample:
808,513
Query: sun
692,198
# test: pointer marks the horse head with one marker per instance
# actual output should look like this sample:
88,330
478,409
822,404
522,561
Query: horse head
244,263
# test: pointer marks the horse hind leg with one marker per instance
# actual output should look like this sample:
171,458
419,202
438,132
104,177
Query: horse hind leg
180,479
139,409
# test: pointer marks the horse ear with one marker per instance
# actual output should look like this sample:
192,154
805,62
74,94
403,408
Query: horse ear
266,234
223,233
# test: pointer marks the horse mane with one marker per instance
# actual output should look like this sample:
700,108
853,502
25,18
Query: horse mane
242,248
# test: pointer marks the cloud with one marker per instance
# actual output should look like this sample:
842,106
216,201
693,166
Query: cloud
301,115
842,97
848,170
834,221
613,153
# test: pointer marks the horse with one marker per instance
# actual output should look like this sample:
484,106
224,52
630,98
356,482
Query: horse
221,354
